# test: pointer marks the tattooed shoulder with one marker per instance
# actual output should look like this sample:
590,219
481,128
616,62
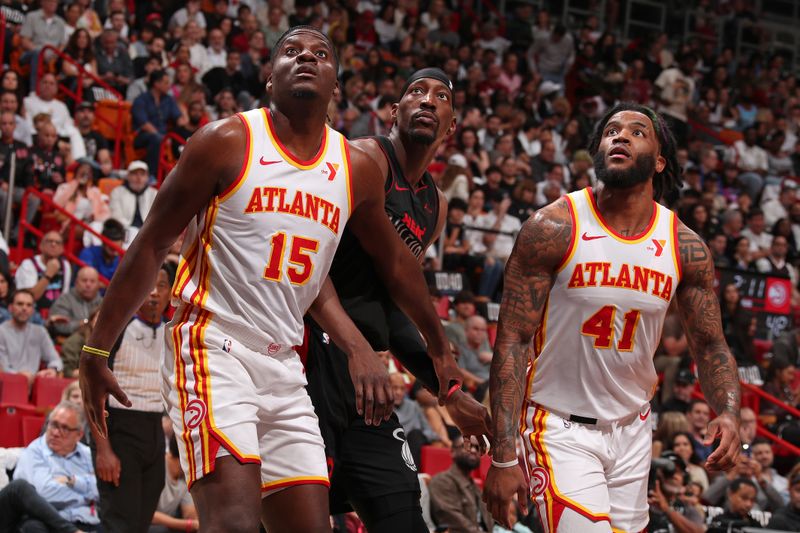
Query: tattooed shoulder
695,257
546,237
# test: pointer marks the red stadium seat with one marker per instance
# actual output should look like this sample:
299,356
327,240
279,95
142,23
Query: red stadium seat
761,348
47,391
13,388
31,428
11,417
434,460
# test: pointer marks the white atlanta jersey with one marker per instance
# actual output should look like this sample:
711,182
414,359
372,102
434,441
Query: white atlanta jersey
258,255
593,351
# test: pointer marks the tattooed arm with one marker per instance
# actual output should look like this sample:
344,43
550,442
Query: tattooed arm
719,379
541,245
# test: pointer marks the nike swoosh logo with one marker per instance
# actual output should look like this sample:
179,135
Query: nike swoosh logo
265,163
593,237
644,416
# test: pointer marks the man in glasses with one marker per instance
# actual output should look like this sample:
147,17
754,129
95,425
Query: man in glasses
47,274
60,467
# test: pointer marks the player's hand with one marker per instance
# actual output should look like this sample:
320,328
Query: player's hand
97,382
725,428
449,376
471,417
498,490
374,399
107,465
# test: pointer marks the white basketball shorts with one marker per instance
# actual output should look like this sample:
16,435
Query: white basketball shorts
598,471
226,398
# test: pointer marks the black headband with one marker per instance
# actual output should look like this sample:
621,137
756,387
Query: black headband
433,73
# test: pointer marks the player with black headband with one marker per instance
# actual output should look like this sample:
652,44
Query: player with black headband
266,195
589,282
371,468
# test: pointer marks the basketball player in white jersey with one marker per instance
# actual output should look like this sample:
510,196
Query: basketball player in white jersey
590,280
266,195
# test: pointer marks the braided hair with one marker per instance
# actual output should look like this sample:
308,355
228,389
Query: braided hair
669,179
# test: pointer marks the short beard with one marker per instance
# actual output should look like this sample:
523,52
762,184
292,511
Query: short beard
643,169
421,137
467,463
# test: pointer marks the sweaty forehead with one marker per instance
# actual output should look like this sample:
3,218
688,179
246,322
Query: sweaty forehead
304,37
627,117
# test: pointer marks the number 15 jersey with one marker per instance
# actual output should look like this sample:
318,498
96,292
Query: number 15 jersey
601,325
259,253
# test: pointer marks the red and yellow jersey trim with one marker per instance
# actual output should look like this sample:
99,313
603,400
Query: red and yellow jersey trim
635,239
292,481
248,158
554,499
347,174
284,151
573,238
675,250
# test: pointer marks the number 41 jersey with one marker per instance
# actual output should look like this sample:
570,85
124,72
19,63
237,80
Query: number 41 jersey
593,350
258,255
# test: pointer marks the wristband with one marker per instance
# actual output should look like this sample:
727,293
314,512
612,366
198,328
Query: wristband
188,525
507,464
452,391
96,351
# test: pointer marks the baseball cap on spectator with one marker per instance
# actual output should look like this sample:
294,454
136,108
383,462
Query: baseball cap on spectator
138,165
113,230
457,160
464,297
85,105
685,377
549,87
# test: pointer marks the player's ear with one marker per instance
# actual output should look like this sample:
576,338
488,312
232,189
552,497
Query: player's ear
452,129
269,85
661,164
336,90
395,107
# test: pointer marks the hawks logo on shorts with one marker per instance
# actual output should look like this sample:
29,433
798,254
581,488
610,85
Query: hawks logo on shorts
195,413
540,480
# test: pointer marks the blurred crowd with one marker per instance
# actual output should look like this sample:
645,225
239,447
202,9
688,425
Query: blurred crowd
529,85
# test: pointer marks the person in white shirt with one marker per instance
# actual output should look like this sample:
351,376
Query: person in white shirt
778,208
675,88
216,54
751,160
190,12
48,274
775,263
46,102
756,233
130,202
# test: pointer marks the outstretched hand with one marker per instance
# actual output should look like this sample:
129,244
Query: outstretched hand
725,428
471,417
97,382
498,491
374,399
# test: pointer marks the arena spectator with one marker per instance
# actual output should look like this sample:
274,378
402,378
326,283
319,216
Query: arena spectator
97,147
788,518
750,160
175,509
139,86
130,202
45,101
19,502
47,165
787,346
25,346
761,450
455,498
668,510
681,392
498,240
675,89
216,54
8,146
698,416
741,497
81,197
780,382
464,307
681,445
153,112
48,274
191,11
777,208
42,27
552,56
71,349
72,309
475,355
775,262
756,232
59,466
23,132
747,427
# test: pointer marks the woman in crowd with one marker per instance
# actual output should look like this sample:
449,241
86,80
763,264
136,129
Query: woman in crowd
741,257
79,47
81,197
681,444
780,383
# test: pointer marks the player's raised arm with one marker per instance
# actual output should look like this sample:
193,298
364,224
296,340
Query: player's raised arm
540,247
719,379
396,265
200,174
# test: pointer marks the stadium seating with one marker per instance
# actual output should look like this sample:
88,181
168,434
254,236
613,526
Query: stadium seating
47,391
13,389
